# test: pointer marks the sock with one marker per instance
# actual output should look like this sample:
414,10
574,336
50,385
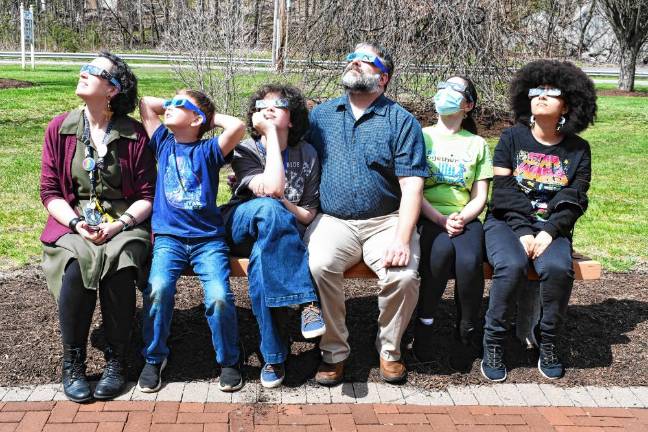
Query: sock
427,321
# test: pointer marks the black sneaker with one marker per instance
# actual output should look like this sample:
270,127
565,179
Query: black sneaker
422,347
231,379
492,366
150,379
549,364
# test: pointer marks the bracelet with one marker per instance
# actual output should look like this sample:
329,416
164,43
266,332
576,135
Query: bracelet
125,227
73,223
131,217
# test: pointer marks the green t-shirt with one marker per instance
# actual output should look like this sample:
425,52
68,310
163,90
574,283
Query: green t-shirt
455,161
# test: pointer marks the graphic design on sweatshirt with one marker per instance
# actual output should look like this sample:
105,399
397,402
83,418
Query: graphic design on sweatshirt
182,186
540,176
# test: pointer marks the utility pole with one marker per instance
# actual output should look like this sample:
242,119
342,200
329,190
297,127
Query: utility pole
26,33
280,34
275,38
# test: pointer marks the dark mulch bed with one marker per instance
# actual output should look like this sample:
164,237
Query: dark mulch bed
12,83
617,92
605,341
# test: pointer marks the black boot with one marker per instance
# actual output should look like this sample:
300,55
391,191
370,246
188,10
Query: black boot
423,347
113,380
75,384
467,350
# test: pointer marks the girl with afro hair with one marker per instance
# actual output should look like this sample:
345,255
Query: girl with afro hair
542,172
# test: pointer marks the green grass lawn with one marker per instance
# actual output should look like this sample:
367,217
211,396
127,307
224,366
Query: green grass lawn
614,230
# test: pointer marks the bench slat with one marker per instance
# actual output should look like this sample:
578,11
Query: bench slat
584,269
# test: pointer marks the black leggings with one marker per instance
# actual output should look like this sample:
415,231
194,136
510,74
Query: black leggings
77,304
442,257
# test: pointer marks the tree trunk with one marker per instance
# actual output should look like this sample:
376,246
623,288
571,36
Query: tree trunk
583,29
257,22
140,21
281,37
627,67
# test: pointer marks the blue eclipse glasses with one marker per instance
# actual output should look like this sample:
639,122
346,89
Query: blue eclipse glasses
180,102
277,103
367,58
538,91
102,73
456,87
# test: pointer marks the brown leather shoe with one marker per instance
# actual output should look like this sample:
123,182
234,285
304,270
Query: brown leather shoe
330,374
392,371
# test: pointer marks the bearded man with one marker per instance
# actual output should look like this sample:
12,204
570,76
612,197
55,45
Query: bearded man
373,165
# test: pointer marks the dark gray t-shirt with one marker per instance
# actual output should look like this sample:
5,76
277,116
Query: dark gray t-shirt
302,173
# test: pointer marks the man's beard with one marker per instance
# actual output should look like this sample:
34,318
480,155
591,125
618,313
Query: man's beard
361,82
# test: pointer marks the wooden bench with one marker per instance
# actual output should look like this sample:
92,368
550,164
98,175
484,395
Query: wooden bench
584,269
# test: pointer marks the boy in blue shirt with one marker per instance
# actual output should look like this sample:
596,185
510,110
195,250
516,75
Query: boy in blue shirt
188,229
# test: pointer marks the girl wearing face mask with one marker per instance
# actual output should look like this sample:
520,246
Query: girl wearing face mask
452,235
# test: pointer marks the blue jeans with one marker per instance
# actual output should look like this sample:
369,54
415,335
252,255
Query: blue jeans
278,273
209,258
510,266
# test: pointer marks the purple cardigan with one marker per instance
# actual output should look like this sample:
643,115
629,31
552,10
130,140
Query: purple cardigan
136,161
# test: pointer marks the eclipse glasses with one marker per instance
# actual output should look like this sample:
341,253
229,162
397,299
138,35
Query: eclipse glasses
181,102
367,58
456,87
102,73
276,103
538,91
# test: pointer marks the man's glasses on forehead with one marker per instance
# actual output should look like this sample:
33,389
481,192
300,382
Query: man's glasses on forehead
276,103
367,58
538,91
101,73
180,102
456,87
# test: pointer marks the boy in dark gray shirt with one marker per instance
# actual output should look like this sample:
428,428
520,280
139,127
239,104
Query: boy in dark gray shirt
275,196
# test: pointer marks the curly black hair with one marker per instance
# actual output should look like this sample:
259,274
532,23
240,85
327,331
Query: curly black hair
577,91
296,106
124,102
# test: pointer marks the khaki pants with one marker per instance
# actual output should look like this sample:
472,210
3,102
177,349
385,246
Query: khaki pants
335,245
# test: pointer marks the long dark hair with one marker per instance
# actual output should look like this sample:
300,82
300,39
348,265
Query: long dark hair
469,123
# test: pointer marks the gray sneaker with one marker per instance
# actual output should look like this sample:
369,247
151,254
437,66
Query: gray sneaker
150,379
231,379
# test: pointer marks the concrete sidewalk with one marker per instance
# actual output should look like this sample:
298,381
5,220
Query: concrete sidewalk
521,395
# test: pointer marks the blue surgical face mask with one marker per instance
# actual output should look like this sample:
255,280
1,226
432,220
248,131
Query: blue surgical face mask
447,101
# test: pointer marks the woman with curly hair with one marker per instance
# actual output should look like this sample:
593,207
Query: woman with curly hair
452,236
542,174
97,183
275,196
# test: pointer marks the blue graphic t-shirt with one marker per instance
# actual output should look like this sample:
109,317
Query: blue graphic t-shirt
186,186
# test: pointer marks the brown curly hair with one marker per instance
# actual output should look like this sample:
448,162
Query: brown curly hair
296,106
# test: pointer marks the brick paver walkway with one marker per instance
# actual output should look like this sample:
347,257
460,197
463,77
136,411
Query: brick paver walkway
143,416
